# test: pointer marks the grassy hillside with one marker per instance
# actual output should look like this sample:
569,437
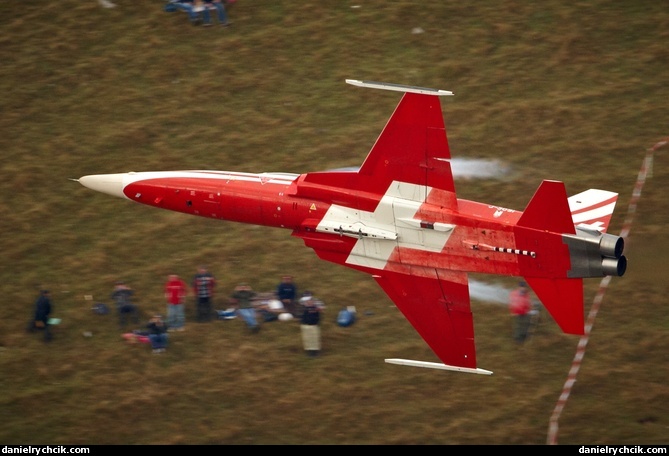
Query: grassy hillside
557,90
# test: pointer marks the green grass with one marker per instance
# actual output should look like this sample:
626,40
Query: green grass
558,91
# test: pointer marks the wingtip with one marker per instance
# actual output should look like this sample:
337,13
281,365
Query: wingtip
430,365
398,87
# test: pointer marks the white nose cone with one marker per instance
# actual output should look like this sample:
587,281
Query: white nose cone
111,184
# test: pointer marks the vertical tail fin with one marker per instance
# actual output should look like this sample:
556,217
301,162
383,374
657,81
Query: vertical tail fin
548,209
593,208
548,212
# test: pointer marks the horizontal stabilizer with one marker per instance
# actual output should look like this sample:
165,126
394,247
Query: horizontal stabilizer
563,298
593,208
429,365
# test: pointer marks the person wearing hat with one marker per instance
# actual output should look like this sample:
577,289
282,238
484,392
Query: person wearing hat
520,306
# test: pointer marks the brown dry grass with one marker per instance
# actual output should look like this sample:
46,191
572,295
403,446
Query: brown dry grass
559,91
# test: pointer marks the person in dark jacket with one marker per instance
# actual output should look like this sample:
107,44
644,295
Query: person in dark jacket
310,324
157,334
122,296
40,321
204,284
286,291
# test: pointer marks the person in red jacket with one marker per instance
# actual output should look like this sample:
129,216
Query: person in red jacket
175,295
520,306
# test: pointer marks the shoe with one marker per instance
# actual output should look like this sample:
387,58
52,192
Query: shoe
157,350
181,329
206,24
170,330
226,24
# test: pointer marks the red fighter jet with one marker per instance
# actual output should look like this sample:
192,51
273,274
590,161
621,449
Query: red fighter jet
397,218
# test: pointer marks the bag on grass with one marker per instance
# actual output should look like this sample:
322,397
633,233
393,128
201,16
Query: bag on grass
345,317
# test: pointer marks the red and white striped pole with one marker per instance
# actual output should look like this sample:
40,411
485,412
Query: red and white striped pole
644,172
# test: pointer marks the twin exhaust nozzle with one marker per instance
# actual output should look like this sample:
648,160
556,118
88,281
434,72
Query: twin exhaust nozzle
594,254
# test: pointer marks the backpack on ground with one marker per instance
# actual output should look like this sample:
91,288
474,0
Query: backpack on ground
346,316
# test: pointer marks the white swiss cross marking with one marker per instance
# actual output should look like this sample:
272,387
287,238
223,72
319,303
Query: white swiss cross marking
394,215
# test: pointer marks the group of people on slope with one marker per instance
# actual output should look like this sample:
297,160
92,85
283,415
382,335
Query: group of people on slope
243,296
203,284
243,299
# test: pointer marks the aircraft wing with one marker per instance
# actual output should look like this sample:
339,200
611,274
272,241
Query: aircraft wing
438,308
373,211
